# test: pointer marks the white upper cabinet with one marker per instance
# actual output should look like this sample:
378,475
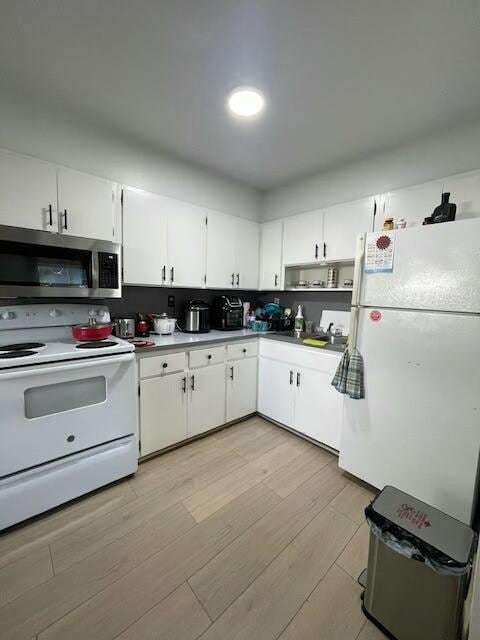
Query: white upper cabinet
186,243
342,224
144,238
28,192
221,261
232,252
271,255
86,205
247,248
303,238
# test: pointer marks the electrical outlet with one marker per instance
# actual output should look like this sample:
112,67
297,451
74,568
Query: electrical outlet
276,301
171,301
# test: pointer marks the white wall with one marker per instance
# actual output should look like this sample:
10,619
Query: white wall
52,136
451,152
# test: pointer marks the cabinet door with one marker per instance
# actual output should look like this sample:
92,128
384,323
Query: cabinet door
221,230
271,255
28,192
144,238
247,249
275,390
241,388
86,205
342,224
163,412
186,244
318,407
206,408
303,238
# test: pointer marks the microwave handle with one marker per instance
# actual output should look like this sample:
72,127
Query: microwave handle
77,366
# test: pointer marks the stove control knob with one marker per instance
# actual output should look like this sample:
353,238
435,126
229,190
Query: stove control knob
92,313
8,315
54,313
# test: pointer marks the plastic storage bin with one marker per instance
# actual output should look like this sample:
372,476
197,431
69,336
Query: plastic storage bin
419,566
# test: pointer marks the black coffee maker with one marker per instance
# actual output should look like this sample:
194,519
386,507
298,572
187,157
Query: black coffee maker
445,212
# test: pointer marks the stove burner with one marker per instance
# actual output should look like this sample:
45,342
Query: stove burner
96,345
16,354
22,346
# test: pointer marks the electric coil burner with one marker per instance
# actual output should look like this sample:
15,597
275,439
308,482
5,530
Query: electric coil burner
96,345
22,346
16,354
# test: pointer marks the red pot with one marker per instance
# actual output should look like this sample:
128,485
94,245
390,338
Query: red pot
91,332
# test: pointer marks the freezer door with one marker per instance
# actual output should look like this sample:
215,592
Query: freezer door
434,267
418,428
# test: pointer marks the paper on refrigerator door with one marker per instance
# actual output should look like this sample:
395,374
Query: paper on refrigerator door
379,252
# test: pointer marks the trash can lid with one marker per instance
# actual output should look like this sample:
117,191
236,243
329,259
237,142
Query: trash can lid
434,532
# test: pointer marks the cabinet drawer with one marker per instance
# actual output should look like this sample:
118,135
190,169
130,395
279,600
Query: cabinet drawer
162,365
239,350
206,357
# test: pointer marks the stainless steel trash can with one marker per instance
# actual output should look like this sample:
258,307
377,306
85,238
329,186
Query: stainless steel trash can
419,566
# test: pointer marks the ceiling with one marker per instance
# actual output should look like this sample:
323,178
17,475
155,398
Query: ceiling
343,78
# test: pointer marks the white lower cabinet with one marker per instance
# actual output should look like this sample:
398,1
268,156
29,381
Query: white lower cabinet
163,412
206,408
241,388
301,398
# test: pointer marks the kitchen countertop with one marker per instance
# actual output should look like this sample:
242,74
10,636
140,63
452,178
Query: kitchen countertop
181,340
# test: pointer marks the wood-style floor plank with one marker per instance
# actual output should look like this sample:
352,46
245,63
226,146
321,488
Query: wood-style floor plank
293,475
40,607
204,503
117,607
355,556
223,579
332,611
88,539
370,632
352,501
39,532
179,617
23,574
271,601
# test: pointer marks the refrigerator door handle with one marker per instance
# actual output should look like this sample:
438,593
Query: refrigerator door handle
357,289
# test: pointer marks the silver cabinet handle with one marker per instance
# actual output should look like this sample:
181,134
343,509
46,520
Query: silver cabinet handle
192,383
291,377
316,251
324,249
233,279
65,219
231,373
50,215
276,279
184,384
238,279
164,273
298,378
172,274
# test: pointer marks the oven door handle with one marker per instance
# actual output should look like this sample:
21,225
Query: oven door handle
77,366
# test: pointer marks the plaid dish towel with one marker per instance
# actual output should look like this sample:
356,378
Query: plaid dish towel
348,377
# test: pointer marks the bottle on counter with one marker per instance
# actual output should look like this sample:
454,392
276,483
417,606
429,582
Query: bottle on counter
299,323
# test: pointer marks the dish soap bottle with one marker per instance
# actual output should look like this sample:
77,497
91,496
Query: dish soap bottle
299,320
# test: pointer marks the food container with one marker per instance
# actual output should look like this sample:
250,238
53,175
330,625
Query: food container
318,283
92,331
348,282
332,278
388,224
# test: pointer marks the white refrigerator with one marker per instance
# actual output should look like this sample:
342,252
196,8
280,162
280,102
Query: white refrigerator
416,322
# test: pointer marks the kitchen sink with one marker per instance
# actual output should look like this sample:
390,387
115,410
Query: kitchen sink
339,342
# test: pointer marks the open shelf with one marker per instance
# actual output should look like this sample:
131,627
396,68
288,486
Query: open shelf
309,273
319,289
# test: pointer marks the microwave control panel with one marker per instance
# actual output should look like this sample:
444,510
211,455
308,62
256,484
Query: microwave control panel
108,277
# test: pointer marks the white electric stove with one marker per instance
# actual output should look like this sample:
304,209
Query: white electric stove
68,410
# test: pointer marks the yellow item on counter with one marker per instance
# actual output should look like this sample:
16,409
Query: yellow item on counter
315,343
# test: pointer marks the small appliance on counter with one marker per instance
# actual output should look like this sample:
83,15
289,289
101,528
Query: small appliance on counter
164,325
196,317
227,313
124,328
141,326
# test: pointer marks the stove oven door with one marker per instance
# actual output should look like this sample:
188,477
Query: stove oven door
52,411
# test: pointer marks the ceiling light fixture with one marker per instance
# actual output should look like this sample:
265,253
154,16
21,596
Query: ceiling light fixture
246,102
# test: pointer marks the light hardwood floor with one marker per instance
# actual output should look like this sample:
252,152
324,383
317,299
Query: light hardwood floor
250,533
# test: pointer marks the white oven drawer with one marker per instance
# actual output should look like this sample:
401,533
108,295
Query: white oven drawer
163,364
52,411
206,357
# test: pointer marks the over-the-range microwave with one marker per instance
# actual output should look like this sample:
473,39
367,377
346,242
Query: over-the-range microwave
43,264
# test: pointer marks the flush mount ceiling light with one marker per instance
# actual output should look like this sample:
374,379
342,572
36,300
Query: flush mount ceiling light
246,102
